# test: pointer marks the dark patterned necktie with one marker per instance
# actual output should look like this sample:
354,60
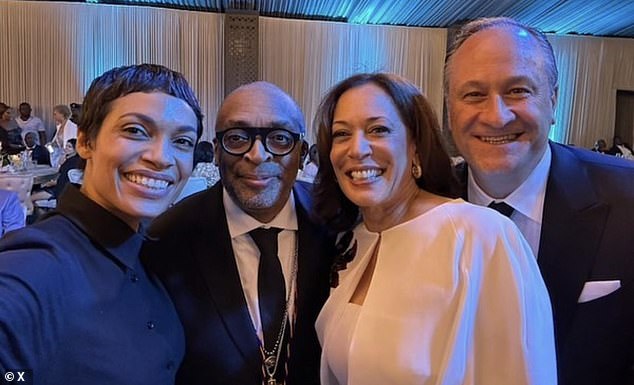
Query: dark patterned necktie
271,286
502,208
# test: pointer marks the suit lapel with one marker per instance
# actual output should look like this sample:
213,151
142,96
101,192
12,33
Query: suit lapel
220,273
571,231
462,170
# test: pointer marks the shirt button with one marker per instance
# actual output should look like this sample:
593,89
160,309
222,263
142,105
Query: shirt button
134,278
170,365
150,325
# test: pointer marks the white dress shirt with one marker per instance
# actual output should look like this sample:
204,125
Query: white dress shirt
32,124
70,132
527,200
248,255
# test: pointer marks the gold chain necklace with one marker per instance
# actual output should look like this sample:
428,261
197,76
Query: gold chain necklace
271,358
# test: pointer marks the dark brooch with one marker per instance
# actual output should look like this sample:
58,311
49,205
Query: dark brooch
343,255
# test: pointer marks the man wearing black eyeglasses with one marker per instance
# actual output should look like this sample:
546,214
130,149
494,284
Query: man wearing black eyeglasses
246,267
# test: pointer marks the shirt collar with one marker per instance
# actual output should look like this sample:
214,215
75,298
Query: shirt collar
101,226
528,198
241,223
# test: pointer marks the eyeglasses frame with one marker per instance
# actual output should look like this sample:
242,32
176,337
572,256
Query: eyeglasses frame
262,132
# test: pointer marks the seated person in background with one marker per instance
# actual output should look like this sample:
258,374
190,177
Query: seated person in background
29,123
39,154
620,149
11,136
73,161
600,146
450,290
204,163
11,212
82,305
54,189
309,171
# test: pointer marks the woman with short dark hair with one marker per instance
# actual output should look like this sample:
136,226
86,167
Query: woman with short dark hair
79,307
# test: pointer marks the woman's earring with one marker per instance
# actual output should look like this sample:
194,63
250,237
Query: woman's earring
417,172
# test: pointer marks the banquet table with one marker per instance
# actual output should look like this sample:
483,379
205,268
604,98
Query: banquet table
41,173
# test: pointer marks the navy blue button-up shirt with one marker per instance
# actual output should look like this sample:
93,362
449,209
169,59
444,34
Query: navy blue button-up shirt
77,306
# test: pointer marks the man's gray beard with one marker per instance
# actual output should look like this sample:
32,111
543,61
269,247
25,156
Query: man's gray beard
266,199
260,201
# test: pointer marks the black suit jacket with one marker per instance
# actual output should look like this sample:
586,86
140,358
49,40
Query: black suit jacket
194,258
40,155
588,235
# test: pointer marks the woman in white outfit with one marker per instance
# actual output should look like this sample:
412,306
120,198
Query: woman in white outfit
65,130
429,289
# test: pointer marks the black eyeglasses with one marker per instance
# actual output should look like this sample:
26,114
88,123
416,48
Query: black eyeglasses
276,141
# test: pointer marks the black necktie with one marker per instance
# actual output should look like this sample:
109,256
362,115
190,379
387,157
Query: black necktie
502,208
271,286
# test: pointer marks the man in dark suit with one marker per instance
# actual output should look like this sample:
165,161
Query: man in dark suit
238,329
39,154
575,207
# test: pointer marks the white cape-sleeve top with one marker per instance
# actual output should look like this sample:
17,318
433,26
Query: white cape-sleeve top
456,298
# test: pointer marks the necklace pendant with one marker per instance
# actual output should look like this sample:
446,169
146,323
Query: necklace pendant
271,381
269,363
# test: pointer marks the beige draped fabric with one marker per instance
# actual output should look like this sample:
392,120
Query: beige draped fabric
52,51
306,58
591,69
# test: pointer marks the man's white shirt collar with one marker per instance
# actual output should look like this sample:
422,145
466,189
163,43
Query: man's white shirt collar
528,198
241,223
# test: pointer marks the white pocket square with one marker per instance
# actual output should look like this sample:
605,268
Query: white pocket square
597,289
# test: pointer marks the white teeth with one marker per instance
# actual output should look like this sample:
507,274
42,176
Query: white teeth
499,139
152,183
365,174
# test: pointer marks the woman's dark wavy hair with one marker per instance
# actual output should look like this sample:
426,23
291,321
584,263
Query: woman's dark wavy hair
121,81
417,115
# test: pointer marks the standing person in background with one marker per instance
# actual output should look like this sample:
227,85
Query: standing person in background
244,263
75,112
29,123
436,290
11,136
575,207
65,130
82,306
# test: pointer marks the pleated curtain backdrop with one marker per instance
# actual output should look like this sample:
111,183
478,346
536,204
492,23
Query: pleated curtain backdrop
52,51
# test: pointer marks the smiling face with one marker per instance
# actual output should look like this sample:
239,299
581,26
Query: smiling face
500,104
371,152
259,182
142,153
